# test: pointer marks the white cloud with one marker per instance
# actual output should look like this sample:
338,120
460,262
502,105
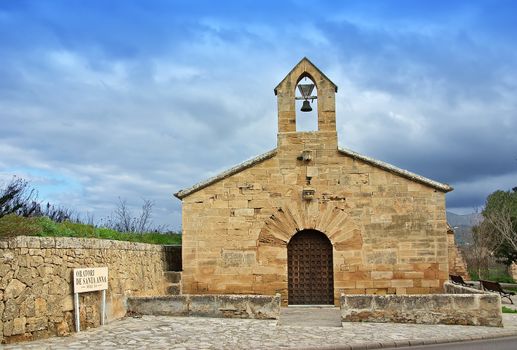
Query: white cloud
142,117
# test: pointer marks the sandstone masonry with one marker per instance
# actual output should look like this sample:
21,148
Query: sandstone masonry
457,264
36,288
386,225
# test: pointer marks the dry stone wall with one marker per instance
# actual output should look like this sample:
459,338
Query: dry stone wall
36,287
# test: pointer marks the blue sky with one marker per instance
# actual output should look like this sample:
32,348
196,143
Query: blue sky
138,99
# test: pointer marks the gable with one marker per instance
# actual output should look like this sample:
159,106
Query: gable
396,170
260,158
306,61
227,173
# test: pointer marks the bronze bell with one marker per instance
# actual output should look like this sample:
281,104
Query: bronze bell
306,106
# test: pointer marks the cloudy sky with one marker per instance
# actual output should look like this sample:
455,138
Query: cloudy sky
139,99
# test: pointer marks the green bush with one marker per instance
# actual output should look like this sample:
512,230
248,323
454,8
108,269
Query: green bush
507,310
13,225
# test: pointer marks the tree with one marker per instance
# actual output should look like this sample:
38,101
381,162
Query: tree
500,214
20,198
17,197
123,220
480,253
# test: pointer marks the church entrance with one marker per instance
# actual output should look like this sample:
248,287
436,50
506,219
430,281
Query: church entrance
310,269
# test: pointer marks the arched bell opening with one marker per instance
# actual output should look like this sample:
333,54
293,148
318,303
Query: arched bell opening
310,269
306,104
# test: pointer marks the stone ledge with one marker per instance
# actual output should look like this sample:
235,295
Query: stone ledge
451,288
209,305
459,309
35,242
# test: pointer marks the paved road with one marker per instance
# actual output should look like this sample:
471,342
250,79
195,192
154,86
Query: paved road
161,332
508,343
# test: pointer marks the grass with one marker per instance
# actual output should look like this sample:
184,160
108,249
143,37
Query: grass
496,275
13,225
507,310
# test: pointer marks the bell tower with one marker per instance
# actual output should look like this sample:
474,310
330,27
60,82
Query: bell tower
326,135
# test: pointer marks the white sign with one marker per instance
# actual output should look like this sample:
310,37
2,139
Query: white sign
90,279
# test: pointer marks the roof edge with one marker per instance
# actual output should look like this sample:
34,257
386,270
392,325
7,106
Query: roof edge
312,64
227,173
402,172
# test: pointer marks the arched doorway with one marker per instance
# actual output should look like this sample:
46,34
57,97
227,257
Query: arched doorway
310,269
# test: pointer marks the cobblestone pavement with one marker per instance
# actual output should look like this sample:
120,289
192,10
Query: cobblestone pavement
162,332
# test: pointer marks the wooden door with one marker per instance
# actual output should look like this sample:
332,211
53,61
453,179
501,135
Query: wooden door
310,269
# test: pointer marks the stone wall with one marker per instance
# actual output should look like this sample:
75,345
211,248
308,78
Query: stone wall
459,309
457,264
451,288
227,306
36,287
388,233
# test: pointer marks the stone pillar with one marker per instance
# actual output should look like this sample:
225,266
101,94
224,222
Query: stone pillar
512,270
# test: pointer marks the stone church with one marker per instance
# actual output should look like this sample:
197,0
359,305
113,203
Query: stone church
311,220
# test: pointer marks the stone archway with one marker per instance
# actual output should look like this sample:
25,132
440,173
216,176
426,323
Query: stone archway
310,269
289,219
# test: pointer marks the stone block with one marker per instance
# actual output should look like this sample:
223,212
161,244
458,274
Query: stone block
233,306
382,284
173,289
241,203
364,284
67,303
382,275
401,283
36,324
7,328
381,257
62,329
26,275
18,325
359,302
466,301
11,310
14,289
174,305
172,276
426,309
40,306
430,283
244,212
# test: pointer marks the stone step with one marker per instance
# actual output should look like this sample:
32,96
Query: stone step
174,289
310,316
172,276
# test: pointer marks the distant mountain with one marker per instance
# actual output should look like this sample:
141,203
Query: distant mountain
463,220
462,225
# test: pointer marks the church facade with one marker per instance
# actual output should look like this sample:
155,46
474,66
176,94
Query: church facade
310,220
